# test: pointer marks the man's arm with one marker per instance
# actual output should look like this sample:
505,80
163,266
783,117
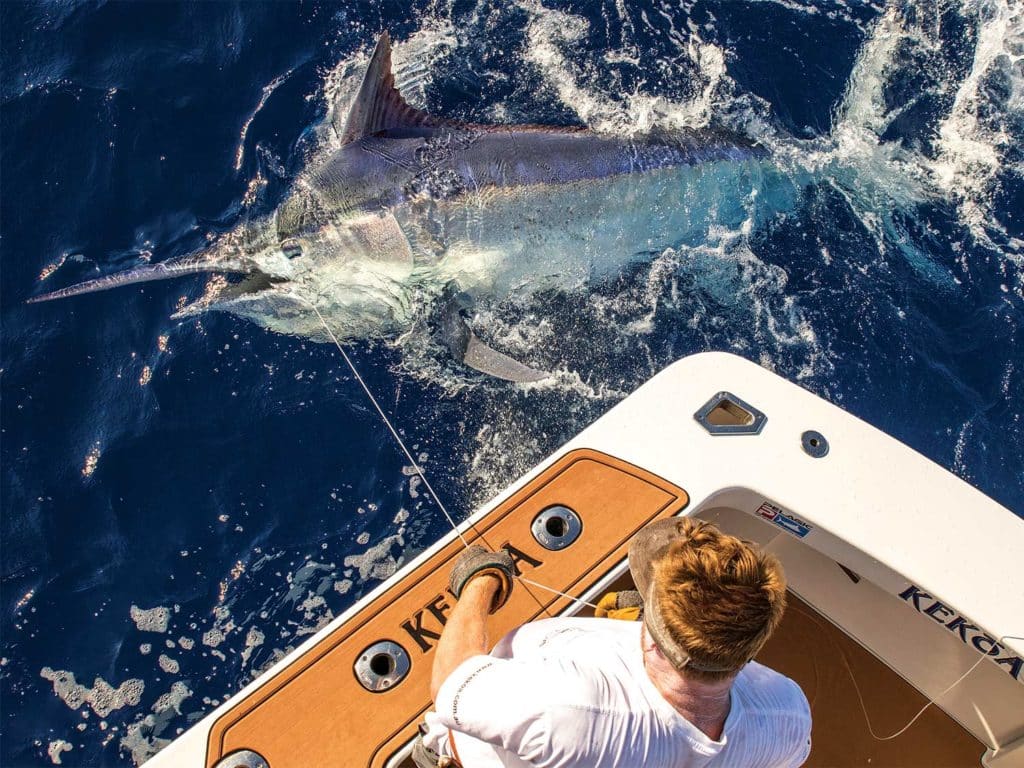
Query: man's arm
465,633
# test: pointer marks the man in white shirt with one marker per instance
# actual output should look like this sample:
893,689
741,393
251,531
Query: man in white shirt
675,690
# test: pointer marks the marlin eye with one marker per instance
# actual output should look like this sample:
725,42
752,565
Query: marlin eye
291,248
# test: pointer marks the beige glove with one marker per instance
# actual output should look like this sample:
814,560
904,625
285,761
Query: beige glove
476,561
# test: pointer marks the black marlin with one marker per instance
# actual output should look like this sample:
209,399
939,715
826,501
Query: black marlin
410,201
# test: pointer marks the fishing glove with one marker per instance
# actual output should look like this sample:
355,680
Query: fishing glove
475,561
626,605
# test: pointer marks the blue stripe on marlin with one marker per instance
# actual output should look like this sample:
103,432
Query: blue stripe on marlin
412,204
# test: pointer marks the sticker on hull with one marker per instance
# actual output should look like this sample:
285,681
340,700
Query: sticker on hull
786,521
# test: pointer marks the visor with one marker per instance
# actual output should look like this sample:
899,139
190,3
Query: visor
647,547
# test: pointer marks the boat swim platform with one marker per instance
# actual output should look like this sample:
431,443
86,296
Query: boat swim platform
903,579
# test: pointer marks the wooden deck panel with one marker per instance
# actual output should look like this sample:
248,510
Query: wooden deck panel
315,713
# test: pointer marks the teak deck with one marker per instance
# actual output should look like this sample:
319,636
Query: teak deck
316,713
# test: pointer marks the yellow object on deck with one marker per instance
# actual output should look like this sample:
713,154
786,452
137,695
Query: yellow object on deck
619,605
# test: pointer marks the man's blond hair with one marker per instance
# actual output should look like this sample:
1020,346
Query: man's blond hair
720,598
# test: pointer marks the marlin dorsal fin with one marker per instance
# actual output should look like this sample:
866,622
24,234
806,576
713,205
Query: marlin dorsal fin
378,105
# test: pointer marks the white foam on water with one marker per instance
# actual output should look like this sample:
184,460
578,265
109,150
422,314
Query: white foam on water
151,619
253,639
314,622
973,141
863,116
213,637
312,605
793,5
879,180
377,562
172,700
264,95
102,698
92,459
977,134
146,736
56,748
550,32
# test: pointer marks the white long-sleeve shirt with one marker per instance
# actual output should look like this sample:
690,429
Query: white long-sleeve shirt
573,693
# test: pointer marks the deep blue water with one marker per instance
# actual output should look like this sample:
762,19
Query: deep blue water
225,473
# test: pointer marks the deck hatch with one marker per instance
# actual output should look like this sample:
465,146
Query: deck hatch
726,414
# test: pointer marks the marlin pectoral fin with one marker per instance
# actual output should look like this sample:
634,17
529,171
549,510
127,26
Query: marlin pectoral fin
381,236
378,106
487,360
467,347
145,274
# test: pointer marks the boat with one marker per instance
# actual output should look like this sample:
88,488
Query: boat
906,591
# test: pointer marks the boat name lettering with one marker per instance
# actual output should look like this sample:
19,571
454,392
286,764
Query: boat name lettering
435,612
420,634
969,634
518,556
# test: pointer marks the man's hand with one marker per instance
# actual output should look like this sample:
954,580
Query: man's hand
482,581
477,561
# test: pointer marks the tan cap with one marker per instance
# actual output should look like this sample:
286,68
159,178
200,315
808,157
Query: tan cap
647,547
650,545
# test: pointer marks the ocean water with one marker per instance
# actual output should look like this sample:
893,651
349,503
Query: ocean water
185,501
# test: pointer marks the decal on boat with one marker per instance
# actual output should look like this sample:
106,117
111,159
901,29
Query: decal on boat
969,634
785,520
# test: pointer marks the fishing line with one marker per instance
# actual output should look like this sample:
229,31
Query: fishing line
555,591
931,700
394,433
415,464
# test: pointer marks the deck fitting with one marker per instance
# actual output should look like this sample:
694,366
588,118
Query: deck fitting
556,527
243,758
382,666
814,444
726,414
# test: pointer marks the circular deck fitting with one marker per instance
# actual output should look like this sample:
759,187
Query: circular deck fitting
556,527
382,666
243,758
814,443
